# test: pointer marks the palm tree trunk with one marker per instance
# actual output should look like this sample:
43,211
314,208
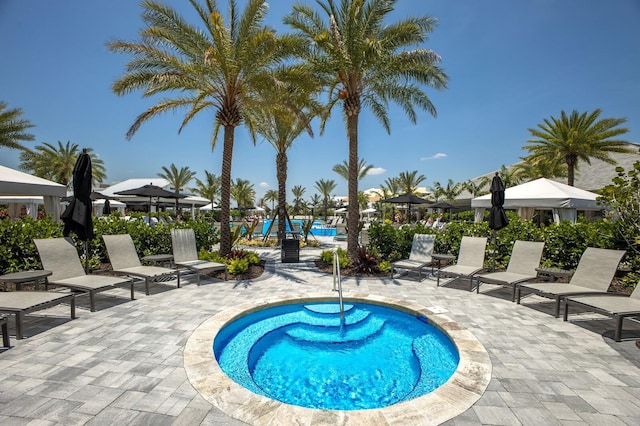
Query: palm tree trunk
571,168
352,220
281,173
225,191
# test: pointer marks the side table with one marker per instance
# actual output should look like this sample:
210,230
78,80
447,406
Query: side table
159,259
442,259
18,278
553,274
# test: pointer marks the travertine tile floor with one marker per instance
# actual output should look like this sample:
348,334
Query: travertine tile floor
123,364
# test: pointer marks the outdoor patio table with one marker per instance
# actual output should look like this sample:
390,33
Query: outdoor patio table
18,278
553,274
159,259
442,259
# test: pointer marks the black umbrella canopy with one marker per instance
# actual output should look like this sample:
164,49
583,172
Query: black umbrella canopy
150,191
407,199
497,217
77,216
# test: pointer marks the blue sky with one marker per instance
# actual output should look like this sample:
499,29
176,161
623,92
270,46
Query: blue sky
511,64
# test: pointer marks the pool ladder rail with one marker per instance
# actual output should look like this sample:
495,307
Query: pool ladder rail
337,277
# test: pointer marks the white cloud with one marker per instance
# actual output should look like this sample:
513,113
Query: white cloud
263,185
434,157
376,171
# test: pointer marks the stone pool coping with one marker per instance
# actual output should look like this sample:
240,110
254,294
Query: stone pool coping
460,392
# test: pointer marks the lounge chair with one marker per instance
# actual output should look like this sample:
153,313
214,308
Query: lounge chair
59,255
420,255
124,260
21,303
341,232
594,273
470,260
185,254
616,305
525,258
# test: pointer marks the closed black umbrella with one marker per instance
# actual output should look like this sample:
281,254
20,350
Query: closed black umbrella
106,209
497,216
150,191
77,216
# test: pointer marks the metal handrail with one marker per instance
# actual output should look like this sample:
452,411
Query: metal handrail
336,275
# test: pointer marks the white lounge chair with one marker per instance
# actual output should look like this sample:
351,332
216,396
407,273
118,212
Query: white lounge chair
594,274
125,261
525,258
470,260
619,306
59,255
420,255
185,254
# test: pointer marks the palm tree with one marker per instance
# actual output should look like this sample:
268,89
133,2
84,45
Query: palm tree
210,188
272,195
222,67
242,191
408,181
298,191
476,188
534,168
13,128
365,61
343,169
437,191
177,178
325,187
578,137
452,190
315,201
56,163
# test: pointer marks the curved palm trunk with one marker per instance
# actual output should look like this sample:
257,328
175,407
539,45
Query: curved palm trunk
281,173
225,191
353,219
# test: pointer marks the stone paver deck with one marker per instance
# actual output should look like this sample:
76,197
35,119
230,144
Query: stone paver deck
124,363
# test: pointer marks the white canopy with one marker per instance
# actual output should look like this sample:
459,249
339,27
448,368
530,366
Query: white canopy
209,207
543,194
16,183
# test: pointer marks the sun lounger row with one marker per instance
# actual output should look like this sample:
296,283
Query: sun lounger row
60,256
587,288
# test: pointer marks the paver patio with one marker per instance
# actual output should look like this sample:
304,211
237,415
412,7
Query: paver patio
123,364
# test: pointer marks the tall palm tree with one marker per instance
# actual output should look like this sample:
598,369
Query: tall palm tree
209,188
365,61
578,137
56,163
177,178
325,187
13,128
343,169
243,192
272,195
409,181
298,191
221,66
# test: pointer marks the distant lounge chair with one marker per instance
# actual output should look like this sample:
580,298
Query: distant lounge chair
420,256
59,255
525,258
185,254
21,303
470,260
341,232
619,306
594,274
124,260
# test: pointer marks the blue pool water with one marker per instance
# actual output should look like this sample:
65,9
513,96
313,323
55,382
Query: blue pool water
300,354
319,228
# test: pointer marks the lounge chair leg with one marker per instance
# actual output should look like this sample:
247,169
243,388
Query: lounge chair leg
558,306
133,297
6,342
518,293
146,286
178,275
565,316
92,302
19,317
198,278
73,307
618,333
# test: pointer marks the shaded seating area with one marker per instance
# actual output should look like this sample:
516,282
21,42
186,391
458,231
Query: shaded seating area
185,254
594,274
616,305
470,260
125,261
59,255
420,255
525,258
21,303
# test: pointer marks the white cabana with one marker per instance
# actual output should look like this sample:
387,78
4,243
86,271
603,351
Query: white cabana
542,194
208,207
15,183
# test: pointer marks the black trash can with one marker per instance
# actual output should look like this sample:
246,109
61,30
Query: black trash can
290,251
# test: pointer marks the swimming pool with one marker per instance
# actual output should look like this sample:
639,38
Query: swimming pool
318,229
302,354
459,393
